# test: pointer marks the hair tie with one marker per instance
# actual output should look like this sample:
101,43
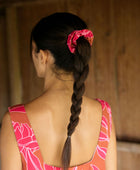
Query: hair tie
72,38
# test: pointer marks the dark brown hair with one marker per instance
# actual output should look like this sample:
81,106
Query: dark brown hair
51,33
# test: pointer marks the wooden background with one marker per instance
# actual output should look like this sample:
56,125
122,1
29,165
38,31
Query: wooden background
114,67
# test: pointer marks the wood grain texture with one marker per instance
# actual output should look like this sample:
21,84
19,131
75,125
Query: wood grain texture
127,37
4,86
13,57
128,156
17,3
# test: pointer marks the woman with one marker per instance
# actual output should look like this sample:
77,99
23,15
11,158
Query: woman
62,128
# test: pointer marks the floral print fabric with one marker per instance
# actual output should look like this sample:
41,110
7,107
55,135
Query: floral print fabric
29,148
72,38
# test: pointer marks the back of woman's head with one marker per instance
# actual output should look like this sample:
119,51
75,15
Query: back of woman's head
51,33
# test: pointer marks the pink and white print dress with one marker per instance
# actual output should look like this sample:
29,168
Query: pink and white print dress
29,149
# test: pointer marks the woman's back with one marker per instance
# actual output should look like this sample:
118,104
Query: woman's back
61,128
49,121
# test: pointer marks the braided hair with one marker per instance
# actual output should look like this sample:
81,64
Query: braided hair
51,33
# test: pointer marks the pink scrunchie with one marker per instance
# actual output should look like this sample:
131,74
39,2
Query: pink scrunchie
72,38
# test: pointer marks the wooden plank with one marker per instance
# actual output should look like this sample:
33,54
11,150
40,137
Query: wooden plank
4,92
104,58
128,147
17,3
127,40
13,57
128,155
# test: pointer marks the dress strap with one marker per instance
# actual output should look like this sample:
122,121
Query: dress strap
105,130
18,114
106,116
26,140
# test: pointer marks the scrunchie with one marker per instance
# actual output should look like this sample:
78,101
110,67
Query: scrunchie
72,38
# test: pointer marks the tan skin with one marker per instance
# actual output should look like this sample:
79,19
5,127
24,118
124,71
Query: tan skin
49,116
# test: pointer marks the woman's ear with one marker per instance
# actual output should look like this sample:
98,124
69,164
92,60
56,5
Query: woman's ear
43,57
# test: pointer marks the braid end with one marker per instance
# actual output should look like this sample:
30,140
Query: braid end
66,153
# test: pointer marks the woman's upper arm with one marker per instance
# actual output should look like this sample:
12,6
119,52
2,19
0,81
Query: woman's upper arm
111,157
9,152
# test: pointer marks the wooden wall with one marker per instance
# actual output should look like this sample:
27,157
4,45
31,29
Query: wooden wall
4,77
114,66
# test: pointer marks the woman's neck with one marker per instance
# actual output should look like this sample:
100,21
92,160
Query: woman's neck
59,84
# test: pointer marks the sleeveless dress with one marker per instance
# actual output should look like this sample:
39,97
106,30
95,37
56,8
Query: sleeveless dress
29,149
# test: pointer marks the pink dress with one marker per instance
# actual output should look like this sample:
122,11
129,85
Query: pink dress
29,149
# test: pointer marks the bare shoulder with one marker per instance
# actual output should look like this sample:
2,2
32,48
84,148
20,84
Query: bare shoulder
92,112
6,123
6,116
6,131
92,104
8,145
91,100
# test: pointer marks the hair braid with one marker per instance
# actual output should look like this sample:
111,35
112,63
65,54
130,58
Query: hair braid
71,53
80,73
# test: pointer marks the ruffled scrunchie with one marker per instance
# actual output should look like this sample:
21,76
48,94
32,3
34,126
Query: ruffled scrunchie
72,38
